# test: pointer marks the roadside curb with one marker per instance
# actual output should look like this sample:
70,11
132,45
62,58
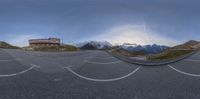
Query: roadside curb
148,63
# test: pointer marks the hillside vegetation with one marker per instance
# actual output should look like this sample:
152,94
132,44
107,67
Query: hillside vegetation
169,54
127,53
7,46
190,45
56,48
177,51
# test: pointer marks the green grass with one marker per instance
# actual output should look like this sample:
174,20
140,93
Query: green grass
7,46
169,54
56,48
127,53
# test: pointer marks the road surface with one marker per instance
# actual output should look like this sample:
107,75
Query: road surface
93,75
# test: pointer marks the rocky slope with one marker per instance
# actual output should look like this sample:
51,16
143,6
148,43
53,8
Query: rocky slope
7,45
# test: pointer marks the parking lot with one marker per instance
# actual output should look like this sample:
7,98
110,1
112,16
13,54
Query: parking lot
93,75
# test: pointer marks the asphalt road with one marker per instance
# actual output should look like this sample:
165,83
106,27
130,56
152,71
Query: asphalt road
93,75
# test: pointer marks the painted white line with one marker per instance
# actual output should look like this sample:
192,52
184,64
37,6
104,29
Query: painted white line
66,67
103,80
19,73
115,62
104,58
18,59
5,60
185,73
192,60
37,66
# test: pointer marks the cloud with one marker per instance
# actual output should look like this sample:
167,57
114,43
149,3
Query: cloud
138,34
21,40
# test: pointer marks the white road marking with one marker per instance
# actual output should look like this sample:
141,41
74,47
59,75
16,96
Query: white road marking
102,80
104,58
57,79
115,62
66,67
192,60
185,73
19,73
37,66
5,60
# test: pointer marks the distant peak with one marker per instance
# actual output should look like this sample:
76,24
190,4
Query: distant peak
193,41
94,45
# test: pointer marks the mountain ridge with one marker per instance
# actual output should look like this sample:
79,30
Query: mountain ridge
92,45
6,45
148,49
177,51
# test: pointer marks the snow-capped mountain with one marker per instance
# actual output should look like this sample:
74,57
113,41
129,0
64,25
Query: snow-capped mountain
148,49
128,45
94,45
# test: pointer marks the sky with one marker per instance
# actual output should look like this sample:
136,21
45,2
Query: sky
165,22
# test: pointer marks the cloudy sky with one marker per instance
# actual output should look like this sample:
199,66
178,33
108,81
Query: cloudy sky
167,22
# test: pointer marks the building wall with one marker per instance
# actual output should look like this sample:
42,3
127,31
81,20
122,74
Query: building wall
45,42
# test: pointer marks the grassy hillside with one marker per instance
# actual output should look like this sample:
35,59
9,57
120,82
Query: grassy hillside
176,51
56,48
188,45
169,54
128,54
7,46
